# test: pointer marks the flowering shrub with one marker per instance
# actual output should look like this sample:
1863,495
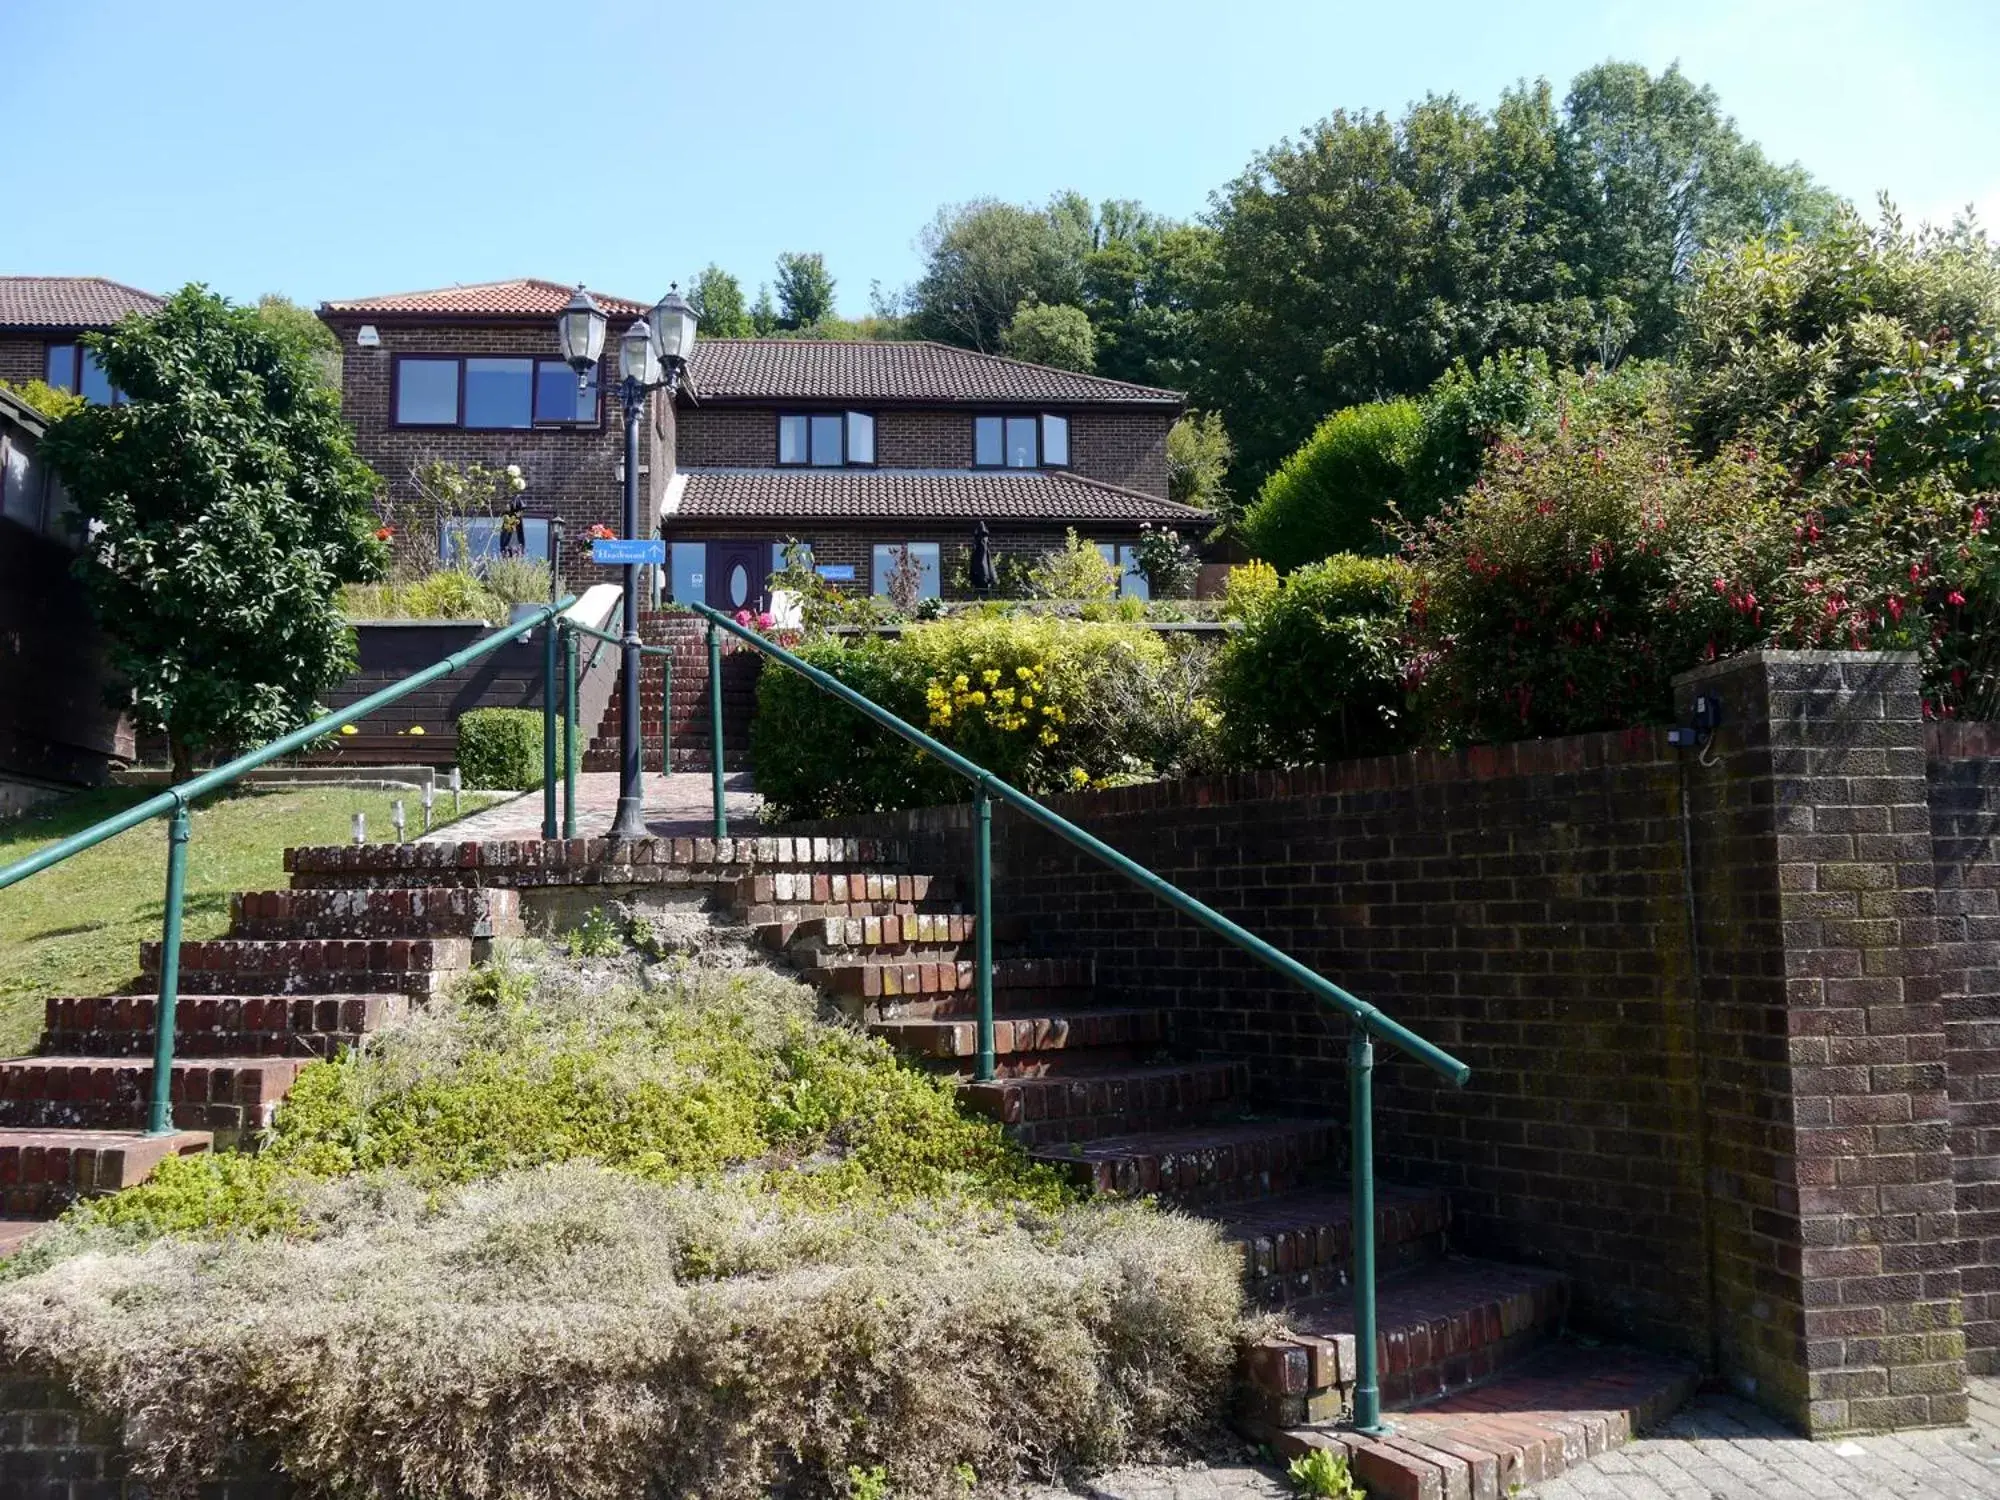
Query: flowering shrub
1044,703
1168,563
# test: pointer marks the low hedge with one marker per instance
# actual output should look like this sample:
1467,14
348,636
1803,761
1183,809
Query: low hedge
501,748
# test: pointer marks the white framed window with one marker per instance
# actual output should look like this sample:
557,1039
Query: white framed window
924,554
1020,442
73,368
826,439
1125,558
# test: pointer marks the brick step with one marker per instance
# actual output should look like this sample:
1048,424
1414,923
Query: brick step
827,886
947,933
219,1025
1214,1163
247,966
1300,1245
42,1172
1439,1328
1563,1405
1023,1038
412,911
793,914
1094,1102
517,862
224,1095
890,980
961,1004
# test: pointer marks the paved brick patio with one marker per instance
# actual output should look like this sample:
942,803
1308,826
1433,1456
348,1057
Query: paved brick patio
1715,1448
680,804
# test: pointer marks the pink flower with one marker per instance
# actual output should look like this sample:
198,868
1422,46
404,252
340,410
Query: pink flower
1954,597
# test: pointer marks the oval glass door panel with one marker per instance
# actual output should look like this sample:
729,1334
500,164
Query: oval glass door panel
739,585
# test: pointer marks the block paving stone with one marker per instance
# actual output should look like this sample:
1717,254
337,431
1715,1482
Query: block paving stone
1715,1448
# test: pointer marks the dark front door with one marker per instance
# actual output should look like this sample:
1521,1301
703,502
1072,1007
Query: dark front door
736,574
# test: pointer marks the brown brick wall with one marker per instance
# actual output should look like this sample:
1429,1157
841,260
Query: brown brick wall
23,358
1757,1168
1122,447
1965,852
570,472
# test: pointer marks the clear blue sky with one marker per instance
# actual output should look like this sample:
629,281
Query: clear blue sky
329,150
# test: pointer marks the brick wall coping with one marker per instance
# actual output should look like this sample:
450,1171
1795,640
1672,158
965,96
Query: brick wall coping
567,857
1774,656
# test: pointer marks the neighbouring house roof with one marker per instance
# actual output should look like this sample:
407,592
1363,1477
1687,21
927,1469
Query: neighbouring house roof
1045,496
523,297
893,370
17,413
66,302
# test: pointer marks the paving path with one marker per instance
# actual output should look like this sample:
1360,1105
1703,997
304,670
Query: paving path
1714,1448
680,804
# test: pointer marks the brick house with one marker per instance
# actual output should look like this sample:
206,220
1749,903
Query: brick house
856,449
42,317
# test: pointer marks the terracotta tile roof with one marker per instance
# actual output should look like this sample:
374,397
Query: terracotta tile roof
526,296
69,301
916,494
892,370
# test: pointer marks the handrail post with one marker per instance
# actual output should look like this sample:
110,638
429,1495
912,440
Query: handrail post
160,1119
549,634
715,730
569,755
982,880
1361,1102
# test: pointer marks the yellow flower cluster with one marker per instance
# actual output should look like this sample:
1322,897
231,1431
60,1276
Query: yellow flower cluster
1012,705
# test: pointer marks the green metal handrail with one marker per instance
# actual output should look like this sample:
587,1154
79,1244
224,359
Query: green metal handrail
1369,1023
571,630
175,801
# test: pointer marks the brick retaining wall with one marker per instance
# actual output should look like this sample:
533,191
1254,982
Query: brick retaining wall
1790,1169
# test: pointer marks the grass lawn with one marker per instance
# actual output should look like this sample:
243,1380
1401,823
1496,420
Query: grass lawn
75,928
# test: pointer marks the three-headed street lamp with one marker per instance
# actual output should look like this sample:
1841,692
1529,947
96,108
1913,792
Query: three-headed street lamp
651,356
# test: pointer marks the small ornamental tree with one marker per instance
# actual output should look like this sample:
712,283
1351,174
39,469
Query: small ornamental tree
224,505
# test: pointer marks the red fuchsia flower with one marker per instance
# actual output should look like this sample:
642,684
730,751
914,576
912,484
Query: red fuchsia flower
1954,597
1978,518
1721,586
384,533
1895,608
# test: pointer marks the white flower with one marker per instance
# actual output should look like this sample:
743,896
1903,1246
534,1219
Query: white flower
513,471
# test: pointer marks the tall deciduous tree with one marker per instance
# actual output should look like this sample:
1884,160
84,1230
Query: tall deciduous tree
1051,335
805,290
717,300
983,259
225,505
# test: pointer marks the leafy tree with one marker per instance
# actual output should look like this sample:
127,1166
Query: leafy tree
717,299
225,505
302,331
1810,346
1198,454
1334,493
1051,334
1143,288
764,320
1660,172
983,259
805,290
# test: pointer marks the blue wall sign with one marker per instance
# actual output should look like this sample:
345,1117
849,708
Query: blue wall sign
623,553
836,572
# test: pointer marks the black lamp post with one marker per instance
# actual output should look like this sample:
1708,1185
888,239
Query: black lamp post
651,356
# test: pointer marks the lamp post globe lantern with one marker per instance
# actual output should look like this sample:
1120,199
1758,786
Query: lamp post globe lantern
580,333
639,358
674,325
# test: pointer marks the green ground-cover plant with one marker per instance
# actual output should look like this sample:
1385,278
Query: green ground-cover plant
595,1228
1323,1475
1317,672
75,929
1042,702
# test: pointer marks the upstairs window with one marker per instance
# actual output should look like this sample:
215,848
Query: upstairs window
826,440
75,369
492,393
1020,442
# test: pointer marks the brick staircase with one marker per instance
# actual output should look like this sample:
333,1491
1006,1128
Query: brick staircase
1487,1392
301,975
688,638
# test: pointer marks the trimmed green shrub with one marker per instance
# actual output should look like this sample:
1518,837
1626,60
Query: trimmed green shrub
1333,493
1042,702
501,747
1316,673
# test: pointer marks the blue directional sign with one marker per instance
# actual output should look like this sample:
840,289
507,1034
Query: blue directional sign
620,554
837,572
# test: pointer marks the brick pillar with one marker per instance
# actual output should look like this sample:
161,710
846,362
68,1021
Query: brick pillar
1831,1214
